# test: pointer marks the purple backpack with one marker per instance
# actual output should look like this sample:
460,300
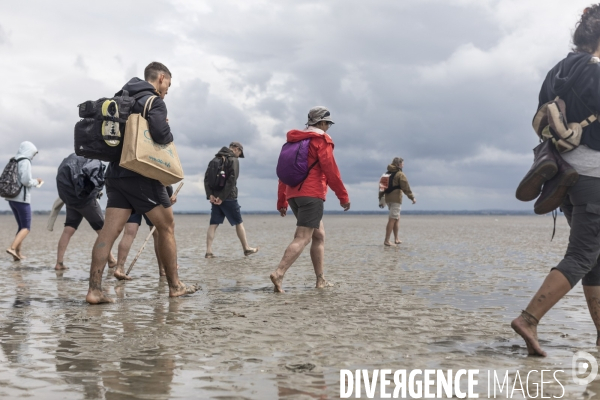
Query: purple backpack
292,167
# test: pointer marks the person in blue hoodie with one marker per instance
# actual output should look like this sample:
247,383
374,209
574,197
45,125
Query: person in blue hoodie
129,192
20,205
576,79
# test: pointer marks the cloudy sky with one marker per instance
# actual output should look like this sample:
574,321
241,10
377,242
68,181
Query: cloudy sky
449,85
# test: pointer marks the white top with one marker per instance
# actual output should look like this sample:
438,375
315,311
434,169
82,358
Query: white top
585,160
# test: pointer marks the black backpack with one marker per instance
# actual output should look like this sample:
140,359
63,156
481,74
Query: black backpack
99,134
10,185
216,173
391,188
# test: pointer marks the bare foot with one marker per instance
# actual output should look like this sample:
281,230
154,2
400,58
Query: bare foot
112,263
60,266
528,332
97,297
120,273
250,250
21,256
387,243
13,253
321,282
209,255
277,281
182,290
398,241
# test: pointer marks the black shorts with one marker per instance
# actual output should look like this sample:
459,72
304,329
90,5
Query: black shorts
92,214
139,194
582,210
308,211
137,219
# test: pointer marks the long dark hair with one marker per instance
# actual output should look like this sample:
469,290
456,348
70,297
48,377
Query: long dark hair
587,31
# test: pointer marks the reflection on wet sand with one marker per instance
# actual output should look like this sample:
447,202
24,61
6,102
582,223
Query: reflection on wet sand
443,299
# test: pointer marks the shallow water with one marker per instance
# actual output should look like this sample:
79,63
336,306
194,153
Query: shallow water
443,299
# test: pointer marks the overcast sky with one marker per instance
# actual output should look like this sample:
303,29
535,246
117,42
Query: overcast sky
449,85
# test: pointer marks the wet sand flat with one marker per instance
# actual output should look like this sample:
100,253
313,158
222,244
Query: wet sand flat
442,299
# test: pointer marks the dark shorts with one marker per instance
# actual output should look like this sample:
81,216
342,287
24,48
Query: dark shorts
22,213
229,209
582,209
308,211
137,219
92,214
136,193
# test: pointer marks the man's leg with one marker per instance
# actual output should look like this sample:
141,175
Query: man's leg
161,267
162,219
131,229
210,237
317,254
113,225
396,229
68,231
241,234
94,216
302,237
388,231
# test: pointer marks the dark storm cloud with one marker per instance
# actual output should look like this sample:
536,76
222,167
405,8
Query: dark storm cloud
362,62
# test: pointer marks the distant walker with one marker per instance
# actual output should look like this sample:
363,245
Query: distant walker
391,186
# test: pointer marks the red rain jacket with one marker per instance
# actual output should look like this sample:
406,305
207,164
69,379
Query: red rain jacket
324,173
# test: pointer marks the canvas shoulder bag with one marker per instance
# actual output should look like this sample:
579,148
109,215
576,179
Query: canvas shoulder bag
140,154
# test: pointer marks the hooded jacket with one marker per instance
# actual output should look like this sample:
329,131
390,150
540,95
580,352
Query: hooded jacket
156,117
400,181
230,191
324,173
577,82
27,150
79,180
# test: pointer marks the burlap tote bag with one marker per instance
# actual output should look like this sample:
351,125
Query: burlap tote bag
140,154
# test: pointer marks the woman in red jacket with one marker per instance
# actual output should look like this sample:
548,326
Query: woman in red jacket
307,198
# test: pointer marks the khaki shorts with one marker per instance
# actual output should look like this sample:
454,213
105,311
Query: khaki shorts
394,210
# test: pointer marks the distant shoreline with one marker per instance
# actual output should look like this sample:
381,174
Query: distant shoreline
412,212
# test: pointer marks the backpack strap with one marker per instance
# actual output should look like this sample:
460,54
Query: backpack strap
390,188
588,121
308,172
148,105
23,186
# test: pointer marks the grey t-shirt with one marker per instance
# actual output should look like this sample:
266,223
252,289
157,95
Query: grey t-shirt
585,161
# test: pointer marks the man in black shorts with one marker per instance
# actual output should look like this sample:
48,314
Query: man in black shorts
131,229
79,182
223,200
127,191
